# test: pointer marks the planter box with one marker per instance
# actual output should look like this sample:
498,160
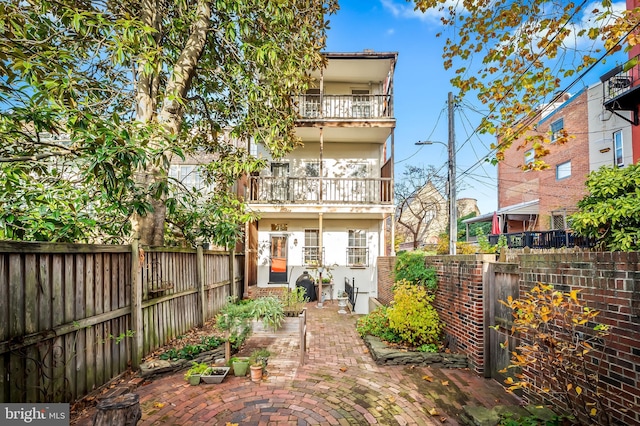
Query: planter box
215,378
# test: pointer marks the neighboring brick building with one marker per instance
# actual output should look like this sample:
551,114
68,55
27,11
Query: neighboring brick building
557,189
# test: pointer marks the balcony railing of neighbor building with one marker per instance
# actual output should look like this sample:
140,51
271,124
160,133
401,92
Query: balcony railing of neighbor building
315,190
621,79
544,239
344,106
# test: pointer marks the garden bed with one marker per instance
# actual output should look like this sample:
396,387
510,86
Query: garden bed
384,354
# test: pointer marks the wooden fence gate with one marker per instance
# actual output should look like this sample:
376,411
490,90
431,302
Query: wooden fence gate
503,281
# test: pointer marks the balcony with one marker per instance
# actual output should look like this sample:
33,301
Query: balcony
315,190
360,106
621,89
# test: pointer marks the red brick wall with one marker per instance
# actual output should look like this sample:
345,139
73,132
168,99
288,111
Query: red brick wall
610,283
385,279
458,301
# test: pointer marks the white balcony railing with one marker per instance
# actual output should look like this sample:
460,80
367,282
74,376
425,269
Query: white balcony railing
314,190
344,106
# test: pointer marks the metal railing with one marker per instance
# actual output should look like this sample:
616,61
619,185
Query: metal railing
544,239
315,190
343,106
621,79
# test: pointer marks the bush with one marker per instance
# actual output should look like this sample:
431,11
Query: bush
412,316
410,266
376,323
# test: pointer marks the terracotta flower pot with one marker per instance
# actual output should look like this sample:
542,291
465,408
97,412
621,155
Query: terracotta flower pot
256,373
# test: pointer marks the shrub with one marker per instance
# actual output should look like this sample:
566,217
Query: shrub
412,316
557,354
410,266
376,323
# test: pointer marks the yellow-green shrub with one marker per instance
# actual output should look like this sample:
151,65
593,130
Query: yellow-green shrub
412,316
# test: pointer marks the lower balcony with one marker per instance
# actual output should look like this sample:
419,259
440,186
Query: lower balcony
312,190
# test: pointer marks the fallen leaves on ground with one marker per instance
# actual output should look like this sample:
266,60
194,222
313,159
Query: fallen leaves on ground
445,383
427,378
434,412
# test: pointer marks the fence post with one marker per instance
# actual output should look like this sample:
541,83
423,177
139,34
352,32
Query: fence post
137,255
200,269
232,273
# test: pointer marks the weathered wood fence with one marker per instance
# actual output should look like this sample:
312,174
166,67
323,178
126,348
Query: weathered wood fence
73,316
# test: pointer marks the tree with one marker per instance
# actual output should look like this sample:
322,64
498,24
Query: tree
610,211
515,54
418,201
131,84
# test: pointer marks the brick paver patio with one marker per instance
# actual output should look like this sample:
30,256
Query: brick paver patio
338,385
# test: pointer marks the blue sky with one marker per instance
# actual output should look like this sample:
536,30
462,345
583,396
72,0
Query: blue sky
421,86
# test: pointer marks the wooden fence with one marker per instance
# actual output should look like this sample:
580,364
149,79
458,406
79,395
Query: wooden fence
74,316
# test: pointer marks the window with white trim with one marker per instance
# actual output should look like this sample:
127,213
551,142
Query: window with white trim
618,155
357,251
529,156
563,170
311,249
556,129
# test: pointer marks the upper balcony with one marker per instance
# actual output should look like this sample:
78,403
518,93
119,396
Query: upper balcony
359,106
621,89
319,191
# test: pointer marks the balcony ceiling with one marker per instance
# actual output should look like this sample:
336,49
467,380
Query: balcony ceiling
355,70
345,134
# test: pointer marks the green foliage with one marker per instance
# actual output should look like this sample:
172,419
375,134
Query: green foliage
428,347
558,335
269,310
610,211
411,266
412,315
376,323
487,247
196,369
131,87
191,351
295,299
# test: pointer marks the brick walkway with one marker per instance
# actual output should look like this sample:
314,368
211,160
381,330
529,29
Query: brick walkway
338,385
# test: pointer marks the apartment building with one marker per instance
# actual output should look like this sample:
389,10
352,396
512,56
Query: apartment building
583,135
323,208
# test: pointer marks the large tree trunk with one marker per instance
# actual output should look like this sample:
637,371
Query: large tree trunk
150,228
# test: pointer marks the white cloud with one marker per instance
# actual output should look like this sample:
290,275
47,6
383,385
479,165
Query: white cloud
404,10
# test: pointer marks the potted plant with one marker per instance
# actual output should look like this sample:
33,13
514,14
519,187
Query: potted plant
343,297
240,366
258,360
194,373
214,375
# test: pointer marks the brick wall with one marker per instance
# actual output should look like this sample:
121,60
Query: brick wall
608,282
458,301
385,279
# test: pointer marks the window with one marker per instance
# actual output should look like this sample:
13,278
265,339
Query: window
529,156
618,157
563,170
361,103
357,253
312,104
311,249
187,175
556,129
558,220
312,169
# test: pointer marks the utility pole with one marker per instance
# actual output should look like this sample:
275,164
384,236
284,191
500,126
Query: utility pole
453,213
